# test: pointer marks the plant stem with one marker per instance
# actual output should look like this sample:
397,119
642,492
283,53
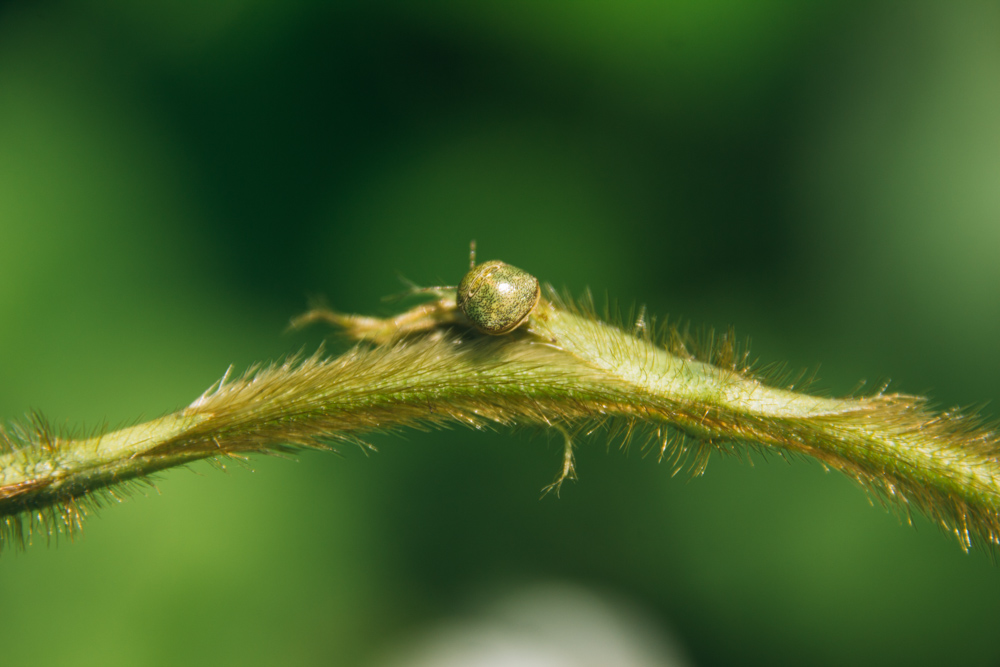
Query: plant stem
566,370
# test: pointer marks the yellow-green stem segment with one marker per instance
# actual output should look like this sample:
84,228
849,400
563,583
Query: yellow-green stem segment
564,369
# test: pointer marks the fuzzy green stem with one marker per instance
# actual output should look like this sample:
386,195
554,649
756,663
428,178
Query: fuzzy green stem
566,370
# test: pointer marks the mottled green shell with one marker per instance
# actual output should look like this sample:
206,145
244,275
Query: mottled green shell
497,297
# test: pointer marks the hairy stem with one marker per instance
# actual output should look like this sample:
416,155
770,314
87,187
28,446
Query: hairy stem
567,370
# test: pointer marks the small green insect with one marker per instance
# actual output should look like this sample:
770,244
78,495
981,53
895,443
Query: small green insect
497,297
494,297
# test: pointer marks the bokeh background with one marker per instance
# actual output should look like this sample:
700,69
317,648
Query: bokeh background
177,178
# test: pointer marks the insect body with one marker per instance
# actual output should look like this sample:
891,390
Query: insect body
494,297
497,297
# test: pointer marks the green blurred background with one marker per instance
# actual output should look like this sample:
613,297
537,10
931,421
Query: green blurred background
177,178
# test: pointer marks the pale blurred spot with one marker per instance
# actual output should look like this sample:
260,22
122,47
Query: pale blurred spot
550,625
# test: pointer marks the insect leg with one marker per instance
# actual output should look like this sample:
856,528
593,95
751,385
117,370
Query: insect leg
381,331
568,467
